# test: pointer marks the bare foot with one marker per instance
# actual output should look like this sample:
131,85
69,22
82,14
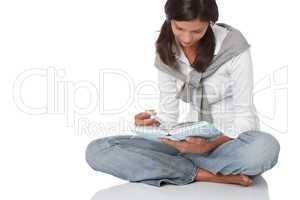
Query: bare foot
246,181
229,179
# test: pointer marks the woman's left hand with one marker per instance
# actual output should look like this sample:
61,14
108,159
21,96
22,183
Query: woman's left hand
190,145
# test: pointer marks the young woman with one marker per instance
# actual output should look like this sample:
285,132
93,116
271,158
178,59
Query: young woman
217,56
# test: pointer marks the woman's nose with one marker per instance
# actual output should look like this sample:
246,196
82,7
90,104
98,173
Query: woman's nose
187,38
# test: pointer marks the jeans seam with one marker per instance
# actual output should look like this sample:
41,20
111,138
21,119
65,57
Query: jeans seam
187,177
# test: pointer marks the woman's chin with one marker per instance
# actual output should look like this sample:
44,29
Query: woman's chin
187,45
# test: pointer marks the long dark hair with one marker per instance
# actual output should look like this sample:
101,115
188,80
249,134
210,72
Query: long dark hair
187,10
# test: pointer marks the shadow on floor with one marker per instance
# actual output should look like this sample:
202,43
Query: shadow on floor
196,190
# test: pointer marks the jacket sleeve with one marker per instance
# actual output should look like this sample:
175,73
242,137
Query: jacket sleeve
245,116
168,109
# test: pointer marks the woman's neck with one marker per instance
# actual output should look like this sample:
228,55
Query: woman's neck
189,50
190,54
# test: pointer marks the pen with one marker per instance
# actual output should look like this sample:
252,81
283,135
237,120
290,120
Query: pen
153,115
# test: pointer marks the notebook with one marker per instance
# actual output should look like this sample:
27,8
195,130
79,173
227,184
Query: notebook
178,131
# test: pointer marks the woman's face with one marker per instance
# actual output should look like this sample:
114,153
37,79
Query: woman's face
188,33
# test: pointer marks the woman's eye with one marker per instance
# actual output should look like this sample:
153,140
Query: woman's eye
179,29
197,32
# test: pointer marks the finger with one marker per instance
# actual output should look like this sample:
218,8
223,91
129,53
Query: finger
171,142
193,140
142,115
139,115
145,122
182,146
156,123
149,122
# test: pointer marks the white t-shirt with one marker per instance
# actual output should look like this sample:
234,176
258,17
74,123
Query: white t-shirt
229,91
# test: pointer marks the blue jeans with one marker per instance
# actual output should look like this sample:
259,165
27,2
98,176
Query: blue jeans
136,159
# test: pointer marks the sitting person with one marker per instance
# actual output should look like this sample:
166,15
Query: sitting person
195,57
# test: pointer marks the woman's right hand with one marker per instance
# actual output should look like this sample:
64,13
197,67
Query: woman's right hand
143,119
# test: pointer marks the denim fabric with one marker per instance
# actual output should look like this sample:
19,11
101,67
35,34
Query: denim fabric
136,159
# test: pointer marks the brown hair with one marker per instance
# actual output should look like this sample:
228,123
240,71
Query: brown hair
187,10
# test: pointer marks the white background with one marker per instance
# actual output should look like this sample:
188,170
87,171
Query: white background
42,144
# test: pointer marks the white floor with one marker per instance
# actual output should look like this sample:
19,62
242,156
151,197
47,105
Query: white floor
194,191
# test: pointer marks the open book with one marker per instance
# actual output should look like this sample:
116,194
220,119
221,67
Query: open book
178,131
